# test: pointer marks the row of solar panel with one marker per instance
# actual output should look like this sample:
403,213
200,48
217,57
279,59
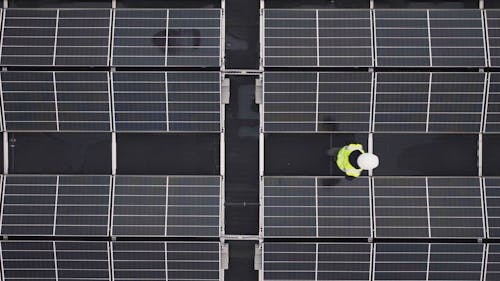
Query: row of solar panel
116,101
381,102
381,207
105,37
381,261
383,38
161,206
103,261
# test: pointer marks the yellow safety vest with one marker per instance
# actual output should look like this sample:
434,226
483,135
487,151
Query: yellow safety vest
343,160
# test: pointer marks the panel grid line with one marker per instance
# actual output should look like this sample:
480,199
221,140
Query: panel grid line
55,207
429,34
428,208
166,208
56,102
55,39
429,104
166,41
56,271
482,189
317,205
317,38
4,179
428,261
317,101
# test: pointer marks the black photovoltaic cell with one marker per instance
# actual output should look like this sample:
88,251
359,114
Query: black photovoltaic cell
457,38
47,37
345,38
454,102
492,267
173,37
402,38
317,38
56,101
401,262
83,37
420,262
50,260
188,101
151,261
290,38
455,207
80,204
432,207
401,207
456,262
401,102
193,206
317,101
82,261
492,122
492,193
493,31
316,207
317,261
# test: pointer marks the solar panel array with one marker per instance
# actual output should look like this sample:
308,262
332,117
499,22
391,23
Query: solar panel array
380,207
167,101
401,38
83,37
380,261
169,206
382,92
135,102
316,207
56,37
71,260
316,261
317,38
166,206
171,37
424,102
317,101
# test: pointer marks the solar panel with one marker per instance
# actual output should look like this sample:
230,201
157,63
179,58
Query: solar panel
492,193
492,266
402,38
171,37
457,38
493,34
56,101
166,206
428,262
455,207
150,261
401,102
62,37
317,101
186,102
401,207
492,115
51,260
317,261
316,207
317,38
456,102
428,207
56,205
396,261
435,102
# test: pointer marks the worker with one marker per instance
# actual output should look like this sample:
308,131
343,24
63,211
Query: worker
352,160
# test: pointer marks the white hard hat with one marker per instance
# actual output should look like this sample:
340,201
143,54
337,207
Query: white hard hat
368,161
